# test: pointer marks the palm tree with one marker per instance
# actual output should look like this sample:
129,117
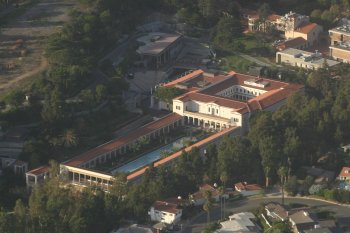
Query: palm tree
282,173
208,204
69,138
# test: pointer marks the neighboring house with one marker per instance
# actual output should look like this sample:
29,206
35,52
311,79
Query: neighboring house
301,221
241,222
295,43
36,176
340,52
276,211
303,59
346,148
320,175
19,167
340,42
248,189
198,197
319,230
344,174
12,142
163,211
158,49
296,25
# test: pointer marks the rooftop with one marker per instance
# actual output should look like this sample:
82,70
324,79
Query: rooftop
39,171
277,209
166,207
156,42
344,29
314,58
291,43
307,28
345,172
301,217
109,146
247,187
275,91
179,153
241,222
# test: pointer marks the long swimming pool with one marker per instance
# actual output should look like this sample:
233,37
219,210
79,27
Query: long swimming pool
151,156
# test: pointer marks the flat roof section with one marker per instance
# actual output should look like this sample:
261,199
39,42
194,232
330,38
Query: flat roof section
109,146
156,42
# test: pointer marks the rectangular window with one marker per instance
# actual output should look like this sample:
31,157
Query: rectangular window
208,109
217,111
178,107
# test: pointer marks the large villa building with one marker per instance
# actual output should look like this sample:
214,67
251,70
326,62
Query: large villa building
220,102
340,43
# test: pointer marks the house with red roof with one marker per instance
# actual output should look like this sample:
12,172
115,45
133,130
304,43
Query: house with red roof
36,176
198,198
221,100
166,211
344,174
297,25
248,189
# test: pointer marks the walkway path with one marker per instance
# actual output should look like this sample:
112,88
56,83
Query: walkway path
253,59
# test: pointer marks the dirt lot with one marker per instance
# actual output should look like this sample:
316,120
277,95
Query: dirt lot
22,42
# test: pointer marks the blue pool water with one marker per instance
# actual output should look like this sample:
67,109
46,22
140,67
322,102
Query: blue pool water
149,157
344,185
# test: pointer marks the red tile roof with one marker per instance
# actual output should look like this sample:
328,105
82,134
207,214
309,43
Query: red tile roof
345,172
292,43
112,145
165,207
195,73
39,171
139,172
276,92
200,193
273,17
247,187
307,28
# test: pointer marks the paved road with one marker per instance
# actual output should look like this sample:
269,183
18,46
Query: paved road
342,213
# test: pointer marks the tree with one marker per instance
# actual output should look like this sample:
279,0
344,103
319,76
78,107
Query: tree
53,109
15,98
292,185
69,138
280,227
101,92
227,29
308,182
167,94
208,204
282,173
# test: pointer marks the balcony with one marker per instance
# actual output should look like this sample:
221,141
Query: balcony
209,117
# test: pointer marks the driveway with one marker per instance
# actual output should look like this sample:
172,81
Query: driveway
342,213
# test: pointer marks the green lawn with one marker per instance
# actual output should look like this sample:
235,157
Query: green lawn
250,42
235,63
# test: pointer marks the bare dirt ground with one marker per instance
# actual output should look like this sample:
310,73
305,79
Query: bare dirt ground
22,42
